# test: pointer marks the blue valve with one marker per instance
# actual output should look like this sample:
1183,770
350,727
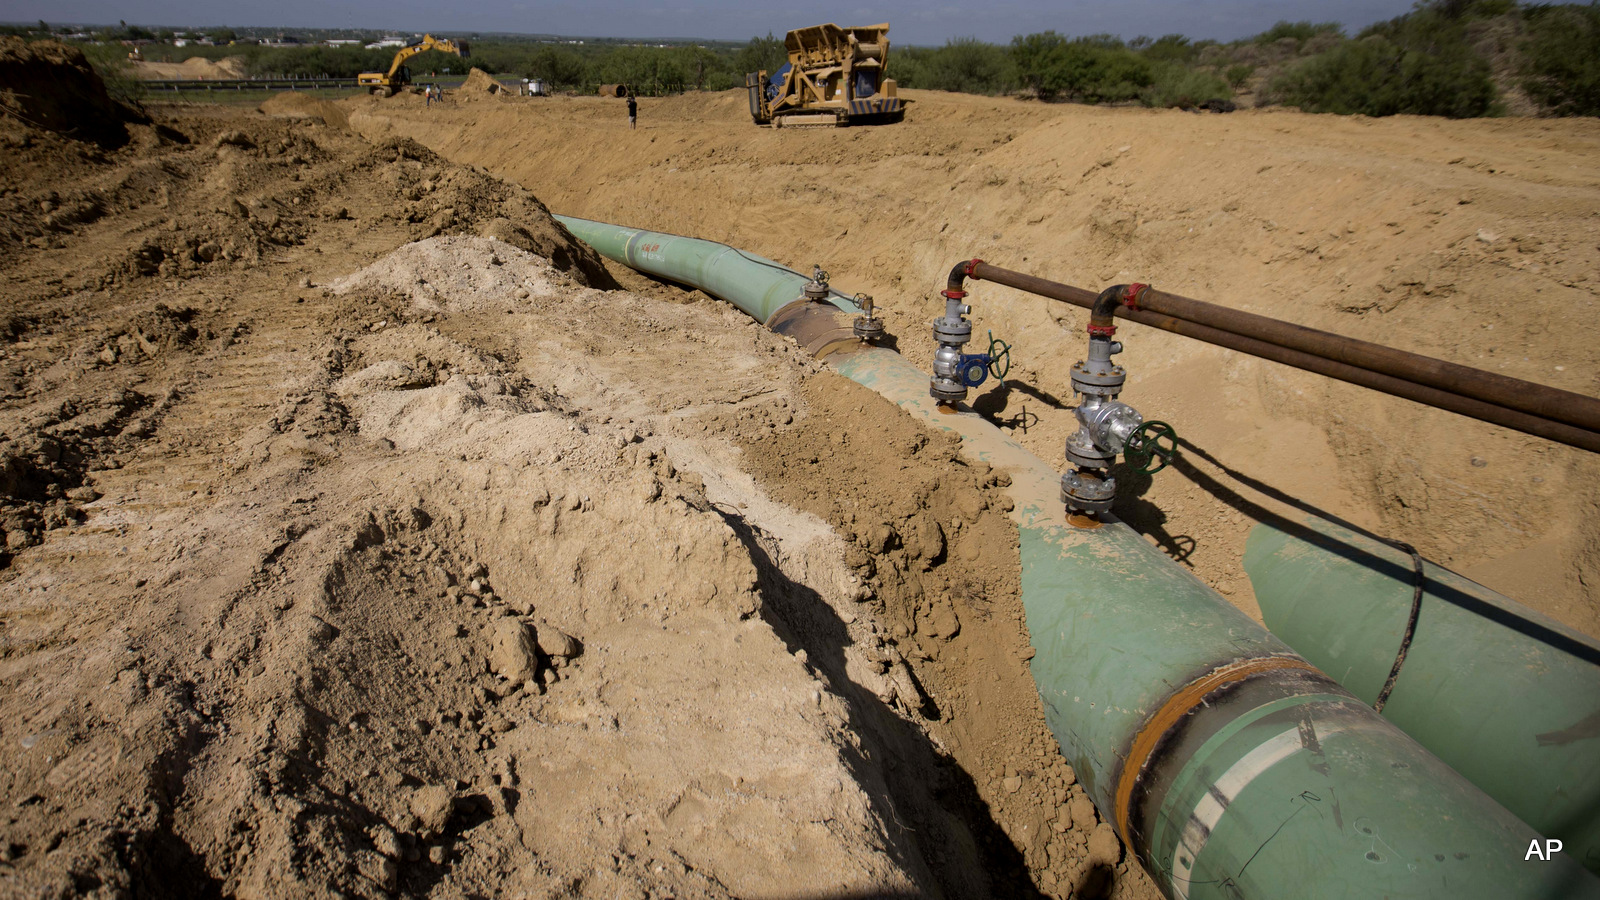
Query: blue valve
977,367
974,369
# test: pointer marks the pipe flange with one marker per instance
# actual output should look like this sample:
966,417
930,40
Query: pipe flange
1088,492
1081,451
1096,460
952,331
867,329
947,391
1080,374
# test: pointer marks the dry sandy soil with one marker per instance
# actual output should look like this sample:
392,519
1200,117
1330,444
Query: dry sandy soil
1473,241
365,535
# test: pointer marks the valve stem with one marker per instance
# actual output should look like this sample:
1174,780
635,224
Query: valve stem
867,327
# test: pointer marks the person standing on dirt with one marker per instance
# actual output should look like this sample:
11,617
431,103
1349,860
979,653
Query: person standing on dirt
427,93
633,111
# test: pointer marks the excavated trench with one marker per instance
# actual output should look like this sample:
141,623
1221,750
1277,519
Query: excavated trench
426,567
1359,227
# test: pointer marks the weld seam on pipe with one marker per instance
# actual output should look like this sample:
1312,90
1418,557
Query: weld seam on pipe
1179,704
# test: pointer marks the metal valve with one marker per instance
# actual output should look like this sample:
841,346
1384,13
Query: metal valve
817,287
952,331
867,327
1106,427
953,371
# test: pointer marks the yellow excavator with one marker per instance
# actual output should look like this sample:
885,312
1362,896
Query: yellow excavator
389,83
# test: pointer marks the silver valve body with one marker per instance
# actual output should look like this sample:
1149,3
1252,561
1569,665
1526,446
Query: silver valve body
952,332
1104,426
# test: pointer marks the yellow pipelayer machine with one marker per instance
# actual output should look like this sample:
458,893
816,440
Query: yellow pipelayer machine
834,76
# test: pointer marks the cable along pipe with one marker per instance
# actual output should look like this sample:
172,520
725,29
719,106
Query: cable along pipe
1230,766
1476,406
1507,697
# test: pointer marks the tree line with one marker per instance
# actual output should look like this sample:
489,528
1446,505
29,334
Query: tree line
1457,58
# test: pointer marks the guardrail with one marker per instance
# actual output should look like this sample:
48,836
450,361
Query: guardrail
250,84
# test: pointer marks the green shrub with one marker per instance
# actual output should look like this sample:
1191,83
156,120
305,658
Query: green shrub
1178,85
1300,31
1094,69
759,54
1238,75
558,66
1167,48
1034,57
1561,58
966,65
1419,64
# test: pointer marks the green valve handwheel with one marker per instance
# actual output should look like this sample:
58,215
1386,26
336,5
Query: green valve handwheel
999,360
1152,448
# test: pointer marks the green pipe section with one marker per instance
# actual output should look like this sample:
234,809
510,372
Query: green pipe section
755,284
1506,696
1230,766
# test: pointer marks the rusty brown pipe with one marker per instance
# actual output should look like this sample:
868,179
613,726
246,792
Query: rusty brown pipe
958,275
1513,393
1461,404
1105,307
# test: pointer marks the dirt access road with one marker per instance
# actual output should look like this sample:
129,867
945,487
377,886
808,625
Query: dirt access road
1473,241
363,536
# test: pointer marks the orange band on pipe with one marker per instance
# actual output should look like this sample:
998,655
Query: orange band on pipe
1178,705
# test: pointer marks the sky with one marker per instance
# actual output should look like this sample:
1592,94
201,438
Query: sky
918,23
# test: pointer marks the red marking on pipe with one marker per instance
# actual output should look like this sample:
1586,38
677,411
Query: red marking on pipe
1102,330
953,295
971,265
1130,294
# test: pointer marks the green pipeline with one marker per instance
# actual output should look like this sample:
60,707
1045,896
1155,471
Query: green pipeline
1229,765
755,284
1507,697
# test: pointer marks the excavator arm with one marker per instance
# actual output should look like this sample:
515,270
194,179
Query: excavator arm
428,42
391,81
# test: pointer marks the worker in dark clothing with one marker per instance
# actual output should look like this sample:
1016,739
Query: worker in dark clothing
633,111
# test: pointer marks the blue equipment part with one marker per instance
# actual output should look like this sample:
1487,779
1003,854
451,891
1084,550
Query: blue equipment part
974,368
775,84
866,83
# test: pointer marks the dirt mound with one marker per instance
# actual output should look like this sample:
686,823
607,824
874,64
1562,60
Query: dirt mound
480,82
51,85
457,273
200,67
460,575
448,199
294,104
194,68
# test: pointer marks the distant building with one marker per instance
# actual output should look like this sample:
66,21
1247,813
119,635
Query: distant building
342,43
